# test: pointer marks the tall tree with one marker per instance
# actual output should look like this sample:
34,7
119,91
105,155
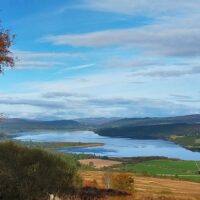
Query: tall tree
6,57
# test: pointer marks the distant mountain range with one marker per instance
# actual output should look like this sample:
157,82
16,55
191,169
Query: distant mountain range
123,127
153,128
189,119
17,125
97,121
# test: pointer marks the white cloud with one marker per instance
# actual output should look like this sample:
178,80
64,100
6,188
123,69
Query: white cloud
173,32
42,60
133,62
36,64
30,54
39,55
39,106
74,68
170,73
136,7
107,94
163,39
87,83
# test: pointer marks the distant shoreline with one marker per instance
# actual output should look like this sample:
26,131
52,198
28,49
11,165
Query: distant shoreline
58,145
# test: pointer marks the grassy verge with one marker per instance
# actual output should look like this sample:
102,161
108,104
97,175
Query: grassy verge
189,142
178,169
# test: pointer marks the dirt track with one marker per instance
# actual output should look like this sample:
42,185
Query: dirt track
154,186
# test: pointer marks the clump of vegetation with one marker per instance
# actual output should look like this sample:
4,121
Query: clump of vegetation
32,174
92,183
123,182
93,193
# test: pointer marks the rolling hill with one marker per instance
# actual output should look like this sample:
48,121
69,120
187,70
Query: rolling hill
188,119
8,126
183,130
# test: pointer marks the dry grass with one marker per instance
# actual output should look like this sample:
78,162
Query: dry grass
99,163
154,188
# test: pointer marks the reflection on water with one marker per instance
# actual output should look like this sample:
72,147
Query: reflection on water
114,147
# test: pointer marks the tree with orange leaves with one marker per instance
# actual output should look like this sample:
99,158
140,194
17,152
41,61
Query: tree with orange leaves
6,41
6,58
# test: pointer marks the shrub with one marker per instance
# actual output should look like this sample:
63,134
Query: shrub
90,184
32,174
124,182
91,165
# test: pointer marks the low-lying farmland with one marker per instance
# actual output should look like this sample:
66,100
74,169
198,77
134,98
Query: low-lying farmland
153,188
99,163
187,170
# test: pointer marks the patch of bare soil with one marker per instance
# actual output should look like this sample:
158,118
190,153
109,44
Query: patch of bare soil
99,163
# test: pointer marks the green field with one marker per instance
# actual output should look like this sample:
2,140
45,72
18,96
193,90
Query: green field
186,170
189,142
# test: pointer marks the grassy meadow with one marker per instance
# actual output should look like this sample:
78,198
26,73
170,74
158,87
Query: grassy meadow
178,169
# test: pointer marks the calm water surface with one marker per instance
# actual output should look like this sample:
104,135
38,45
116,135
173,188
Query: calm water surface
114,147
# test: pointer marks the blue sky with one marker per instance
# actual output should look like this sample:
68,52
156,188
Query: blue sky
108,58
